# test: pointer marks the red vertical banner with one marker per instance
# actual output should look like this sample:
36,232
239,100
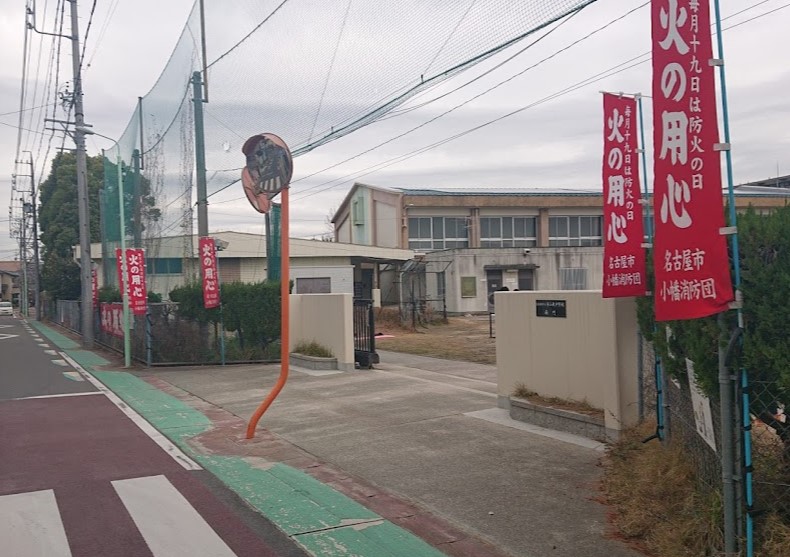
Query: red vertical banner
208,265
624,269
112,319
690,255
135,279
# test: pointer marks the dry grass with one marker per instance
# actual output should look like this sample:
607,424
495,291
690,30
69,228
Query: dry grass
776,537
580,406
656,500
461,338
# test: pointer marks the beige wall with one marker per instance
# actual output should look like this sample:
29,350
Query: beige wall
547,262
589,356
326,319
387,225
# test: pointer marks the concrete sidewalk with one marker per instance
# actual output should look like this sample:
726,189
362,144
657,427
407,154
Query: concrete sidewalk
409,459
428,432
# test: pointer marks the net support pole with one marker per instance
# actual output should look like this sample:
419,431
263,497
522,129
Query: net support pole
200,156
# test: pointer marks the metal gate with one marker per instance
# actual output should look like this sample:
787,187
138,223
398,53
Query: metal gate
364,334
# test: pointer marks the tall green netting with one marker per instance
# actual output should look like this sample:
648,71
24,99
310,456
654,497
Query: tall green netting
306,70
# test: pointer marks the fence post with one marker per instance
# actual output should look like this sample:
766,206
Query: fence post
727,452
148,338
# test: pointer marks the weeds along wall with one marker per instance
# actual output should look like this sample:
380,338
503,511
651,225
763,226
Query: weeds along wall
309,72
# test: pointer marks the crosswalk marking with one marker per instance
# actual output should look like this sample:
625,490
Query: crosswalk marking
30,525
169,524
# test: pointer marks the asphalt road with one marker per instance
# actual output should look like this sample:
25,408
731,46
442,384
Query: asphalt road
80,478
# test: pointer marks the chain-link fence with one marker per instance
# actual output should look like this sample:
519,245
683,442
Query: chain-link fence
163,337
693,422
761,437
770,456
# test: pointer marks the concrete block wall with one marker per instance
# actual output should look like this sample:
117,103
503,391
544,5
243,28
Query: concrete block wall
326,319
591,355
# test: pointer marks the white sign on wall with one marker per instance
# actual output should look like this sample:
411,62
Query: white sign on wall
701,403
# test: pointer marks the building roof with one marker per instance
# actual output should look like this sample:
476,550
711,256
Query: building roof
530,192
242,244
10,266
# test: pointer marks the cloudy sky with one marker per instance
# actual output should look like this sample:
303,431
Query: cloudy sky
553,141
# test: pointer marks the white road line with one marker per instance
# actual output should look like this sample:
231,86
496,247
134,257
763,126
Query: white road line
169,524
172,450
61,363
51,352
59,396
30,525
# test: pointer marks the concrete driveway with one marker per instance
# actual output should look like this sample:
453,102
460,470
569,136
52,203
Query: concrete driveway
429,432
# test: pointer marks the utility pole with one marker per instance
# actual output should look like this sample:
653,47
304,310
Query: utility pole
33,206
23,260
82,187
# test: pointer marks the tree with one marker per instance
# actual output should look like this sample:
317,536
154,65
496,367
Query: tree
764,247
59,222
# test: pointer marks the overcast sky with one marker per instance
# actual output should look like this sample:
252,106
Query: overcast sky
554,143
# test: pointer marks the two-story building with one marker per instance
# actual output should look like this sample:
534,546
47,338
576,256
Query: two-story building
9,281
471,242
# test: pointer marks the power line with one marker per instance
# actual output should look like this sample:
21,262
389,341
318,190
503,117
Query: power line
475,97
87,33
572,88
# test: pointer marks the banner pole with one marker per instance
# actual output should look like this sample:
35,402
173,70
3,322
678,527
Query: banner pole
127,342
736,264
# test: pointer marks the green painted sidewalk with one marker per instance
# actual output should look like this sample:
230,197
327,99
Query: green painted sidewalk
323,521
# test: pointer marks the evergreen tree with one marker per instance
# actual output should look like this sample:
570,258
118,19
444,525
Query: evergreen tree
59,222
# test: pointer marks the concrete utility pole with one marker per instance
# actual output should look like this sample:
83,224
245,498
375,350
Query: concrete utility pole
33,207
82,187
23,259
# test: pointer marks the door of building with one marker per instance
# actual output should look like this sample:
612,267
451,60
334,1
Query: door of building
493,283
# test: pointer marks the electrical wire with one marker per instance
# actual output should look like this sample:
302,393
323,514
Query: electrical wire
485,92
87,33
572,88
329,70
248,35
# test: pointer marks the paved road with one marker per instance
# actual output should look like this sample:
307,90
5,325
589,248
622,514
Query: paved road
80,477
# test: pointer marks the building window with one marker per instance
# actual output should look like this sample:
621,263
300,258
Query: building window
313,285
508,232
573,279
430,233
468,287
575,231
526,279
164,266
357,213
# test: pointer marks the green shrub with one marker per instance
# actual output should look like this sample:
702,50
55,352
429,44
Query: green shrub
764,247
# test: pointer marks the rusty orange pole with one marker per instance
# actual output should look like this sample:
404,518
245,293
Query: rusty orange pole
285,321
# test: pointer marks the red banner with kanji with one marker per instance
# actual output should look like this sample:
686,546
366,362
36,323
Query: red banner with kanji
689,253
112,319
208,265
135,279
624,269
